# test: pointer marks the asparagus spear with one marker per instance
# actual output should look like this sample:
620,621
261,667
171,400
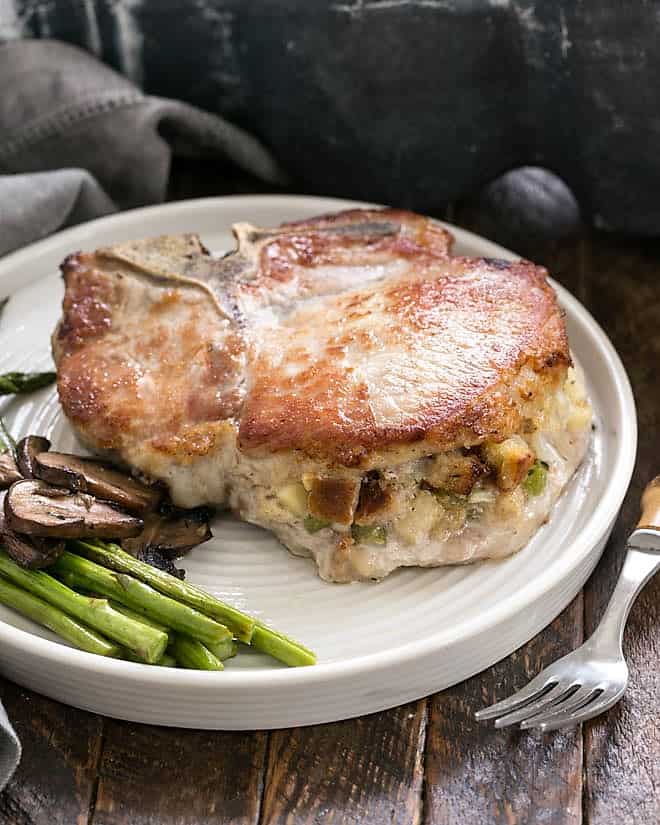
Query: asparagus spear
45,614
193,654
21,382
245,628
166,660
146,642
224,650
140,617
112,556
281,647
81,573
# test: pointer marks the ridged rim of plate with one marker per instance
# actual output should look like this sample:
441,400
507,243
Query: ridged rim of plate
598,523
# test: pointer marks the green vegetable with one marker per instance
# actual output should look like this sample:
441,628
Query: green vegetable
281,647
313,524
80,572
244,627
166,660
48,616
193,654
113,557
224,650
21,382
369,533
537,477
146,642
140,617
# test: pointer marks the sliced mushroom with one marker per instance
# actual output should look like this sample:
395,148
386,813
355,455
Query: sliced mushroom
28,551
27,450
84,475
173,534
31,551
8,471
377,500
34,508
156,558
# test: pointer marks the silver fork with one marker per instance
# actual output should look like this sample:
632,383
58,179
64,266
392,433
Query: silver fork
594,677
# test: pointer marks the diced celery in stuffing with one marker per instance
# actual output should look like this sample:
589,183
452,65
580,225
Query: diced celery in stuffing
313,524
369,533
537,477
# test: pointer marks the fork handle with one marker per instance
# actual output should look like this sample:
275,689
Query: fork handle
638,567
650,517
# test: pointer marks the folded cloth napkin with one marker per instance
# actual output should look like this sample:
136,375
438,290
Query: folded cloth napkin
78,140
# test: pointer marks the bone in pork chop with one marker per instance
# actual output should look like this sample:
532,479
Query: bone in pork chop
342,381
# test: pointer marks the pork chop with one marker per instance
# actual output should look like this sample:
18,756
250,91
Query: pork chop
341,381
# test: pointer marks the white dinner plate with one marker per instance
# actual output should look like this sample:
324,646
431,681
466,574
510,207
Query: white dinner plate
378,644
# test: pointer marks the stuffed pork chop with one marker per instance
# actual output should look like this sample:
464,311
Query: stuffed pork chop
343,382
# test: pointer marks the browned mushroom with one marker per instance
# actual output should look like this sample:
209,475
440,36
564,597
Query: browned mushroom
172,534
8,471
156,558
34,508
28,551
84,475
27,450
31,551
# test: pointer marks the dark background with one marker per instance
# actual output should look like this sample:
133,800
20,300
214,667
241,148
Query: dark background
416,103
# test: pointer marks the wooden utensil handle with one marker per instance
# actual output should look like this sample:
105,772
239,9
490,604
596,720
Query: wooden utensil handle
651,505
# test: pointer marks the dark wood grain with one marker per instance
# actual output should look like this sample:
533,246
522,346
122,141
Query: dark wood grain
56,780
477,775
366,770
151,775
622,748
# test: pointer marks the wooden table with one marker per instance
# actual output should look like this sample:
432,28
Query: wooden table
426,762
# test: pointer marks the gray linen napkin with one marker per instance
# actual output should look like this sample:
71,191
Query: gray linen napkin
78,141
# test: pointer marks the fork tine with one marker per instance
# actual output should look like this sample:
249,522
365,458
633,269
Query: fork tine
524,696
563,711
545,701
595,708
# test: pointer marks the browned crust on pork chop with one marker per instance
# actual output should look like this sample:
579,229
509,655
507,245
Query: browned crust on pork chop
448,345
414,234
341,337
